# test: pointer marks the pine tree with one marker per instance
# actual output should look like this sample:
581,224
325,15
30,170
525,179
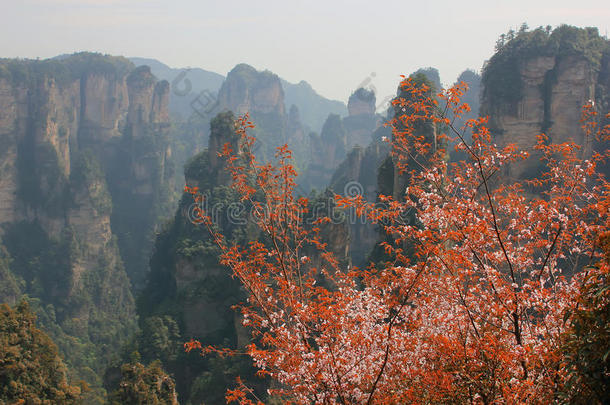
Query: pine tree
31,370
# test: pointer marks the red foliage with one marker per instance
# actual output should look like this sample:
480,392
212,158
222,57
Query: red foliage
473,303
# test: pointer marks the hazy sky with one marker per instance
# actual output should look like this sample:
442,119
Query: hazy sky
334,45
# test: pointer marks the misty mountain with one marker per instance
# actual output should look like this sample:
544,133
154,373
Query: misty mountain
314,108
190,84
187,84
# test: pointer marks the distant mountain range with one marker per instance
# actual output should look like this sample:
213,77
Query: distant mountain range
187,84
313,108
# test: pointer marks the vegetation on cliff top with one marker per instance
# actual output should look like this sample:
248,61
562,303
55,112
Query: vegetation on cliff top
250,76
144,385
502,83
64,69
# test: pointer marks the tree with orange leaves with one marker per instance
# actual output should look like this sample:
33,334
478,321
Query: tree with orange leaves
476,294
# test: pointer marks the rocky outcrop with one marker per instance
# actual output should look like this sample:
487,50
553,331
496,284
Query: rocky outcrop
248,90
362,119
188,283
521,122
82,154
261,95
357,175
538,82
370,171
361,166
326,152
340,135
295,127
222,132
11,101
187,85
432,75
473,94
362,101
313,107
104,104
473,98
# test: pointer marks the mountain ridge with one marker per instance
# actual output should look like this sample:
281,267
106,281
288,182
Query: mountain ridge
188,83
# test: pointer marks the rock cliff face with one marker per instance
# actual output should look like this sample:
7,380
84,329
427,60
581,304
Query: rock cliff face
473,98
79,138
12,105
313,108
362,101
262,96
362,119
186,84
103,104
316,157
192,84
358,175
248,90
371,171
187,282
340,135
140,171
552,76
295,127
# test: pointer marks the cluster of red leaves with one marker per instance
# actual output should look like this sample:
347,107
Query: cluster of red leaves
470,308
